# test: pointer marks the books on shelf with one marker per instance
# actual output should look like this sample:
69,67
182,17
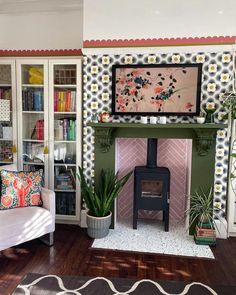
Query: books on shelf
5,93
64,101
65,129
65,180
38,131
65,203
32,100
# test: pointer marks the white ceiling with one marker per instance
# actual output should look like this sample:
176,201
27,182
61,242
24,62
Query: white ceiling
39,6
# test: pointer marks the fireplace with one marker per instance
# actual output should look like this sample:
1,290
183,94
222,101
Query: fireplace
151,186
203,145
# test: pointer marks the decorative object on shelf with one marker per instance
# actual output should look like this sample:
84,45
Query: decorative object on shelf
35,75
162,120
203,214
153,120
45,149
170,89
5,110
7,132
210,110
201,118
100,200
14,149
94,118
143,119
104,116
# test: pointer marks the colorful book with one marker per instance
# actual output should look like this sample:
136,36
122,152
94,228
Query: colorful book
205,231
205,239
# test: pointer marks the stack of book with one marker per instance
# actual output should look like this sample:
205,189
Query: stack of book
205,235
32,100
64,101
64,182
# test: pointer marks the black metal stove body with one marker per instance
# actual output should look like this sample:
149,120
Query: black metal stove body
151,186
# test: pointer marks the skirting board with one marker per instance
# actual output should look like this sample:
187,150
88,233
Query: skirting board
222,226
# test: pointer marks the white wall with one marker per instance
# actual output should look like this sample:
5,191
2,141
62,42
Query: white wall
136,19
49,30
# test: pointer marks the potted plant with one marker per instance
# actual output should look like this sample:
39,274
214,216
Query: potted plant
210,110
100,199
202,214
201,118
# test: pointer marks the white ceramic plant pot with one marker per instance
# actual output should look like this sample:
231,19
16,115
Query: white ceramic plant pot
98,227
200,120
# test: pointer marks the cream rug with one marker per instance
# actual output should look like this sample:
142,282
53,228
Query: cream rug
150,237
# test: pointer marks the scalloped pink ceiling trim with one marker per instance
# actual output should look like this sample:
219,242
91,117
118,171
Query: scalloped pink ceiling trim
215,40
46,52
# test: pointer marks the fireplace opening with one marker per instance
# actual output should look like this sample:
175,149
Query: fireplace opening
151,186
176,154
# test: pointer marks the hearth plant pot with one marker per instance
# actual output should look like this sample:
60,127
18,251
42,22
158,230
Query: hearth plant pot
98,227
100,199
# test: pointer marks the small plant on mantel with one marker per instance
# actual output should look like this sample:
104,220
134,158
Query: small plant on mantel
202,214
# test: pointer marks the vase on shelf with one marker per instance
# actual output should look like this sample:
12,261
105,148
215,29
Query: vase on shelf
210,116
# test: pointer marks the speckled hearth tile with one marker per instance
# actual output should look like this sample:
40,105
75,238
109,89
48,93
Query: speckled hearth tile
150,237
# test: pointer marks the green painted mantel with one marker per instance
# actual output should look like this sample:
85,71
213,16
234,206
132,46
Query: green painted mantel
204,133
203,145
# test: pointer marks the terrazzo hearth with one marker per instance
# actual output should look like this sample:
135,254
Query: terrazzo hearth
150,237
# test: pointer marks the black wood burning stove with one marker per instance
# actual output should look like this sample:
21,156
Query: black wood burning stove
151,186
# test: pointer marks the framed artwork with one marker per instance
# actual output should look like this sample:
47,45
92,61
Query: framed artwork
162,89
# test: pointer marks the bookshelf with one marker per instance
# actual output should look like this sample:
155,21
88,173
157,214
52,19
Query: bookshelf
49,128
65,136
32,95
8,130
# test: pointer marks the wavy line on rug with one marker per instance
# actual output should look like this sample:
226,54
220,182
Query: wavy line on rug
112,287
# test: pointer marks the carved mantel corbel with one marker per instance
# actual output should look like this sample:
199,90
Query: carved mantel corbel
205,139
104,138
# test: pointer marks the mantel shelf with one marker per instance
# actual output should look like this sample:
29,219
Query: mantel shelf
158,126
204,133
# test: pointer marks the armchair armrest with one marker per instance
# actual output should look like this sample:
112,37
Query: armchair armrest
48,198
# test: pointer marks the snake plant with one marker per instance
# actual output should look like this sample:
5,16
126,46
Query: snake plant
99,199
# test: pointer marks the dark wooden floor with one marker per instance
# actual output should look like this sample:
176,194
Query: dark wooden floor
71,255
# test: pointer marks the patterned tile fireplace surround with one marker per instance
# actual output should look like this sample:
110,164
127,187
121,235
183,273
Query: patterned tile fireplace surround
217,69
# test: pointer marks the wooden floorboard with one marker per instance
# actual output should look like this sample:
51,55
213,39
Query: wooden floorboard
71,255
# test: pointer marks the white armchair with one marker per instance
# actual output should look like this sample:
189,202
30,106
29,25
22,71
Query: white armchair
20,225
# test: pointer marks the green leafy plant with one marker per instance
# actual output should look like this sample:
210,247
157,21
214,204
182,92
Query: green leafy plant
100,200
229,102
202,209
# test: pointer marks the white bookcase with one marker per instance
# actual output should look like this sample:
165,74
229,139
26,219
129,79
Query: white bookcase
65,108
49,127
32,95
8,129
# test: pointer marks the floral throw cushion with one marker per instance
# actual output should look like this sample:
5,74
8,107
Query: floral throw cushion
20,189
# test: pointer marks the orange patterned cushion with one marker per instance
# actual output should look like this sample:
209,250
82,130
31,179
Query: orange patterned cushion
20,189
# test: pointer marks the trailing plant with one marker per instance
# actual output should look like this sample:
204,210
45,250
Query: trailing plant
202,209
99,200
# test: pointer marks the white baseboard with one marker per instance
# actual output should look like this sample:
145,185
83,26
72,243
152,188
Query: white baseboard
222,229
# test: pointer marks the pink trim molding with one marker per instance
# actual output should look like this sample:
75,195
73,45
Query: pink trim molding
220,40
46,52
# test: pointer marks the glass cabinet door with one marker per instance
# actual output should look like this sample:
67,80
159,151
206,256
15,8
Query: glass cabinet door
33,112
65,136
8,132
